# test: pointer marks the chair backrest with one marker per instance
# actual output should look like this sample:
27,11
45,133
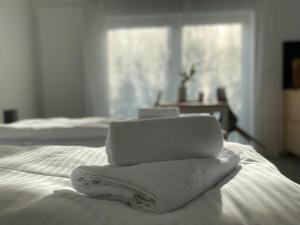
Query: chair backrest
221,94
158,98
221,97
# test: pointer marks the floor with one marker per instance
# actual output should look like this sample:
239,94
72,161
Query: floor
289,165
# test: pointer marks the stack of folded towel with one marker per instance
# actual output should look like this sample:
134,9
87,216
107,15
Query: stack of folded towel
147,157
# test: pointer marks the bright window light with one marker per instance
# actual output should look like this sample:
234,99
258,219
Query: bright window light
138,63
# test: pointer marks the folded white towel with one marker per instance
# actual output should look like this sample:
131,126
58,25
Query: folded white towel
156,187
158,112
139,141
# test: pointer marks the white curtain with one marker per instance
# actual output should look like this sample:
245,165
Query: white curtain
139,63
268,107
96,81
261,110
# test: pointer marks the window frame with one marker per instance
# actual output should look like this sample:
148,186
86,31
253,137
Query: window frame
176,21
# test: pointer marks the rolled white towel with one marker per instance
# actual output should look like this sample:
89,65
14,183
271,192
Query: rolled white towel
157,187
158,112
162,139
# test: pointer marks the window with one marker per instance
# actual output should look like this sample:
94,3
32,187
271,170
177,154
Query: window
218,50
147,54
138,64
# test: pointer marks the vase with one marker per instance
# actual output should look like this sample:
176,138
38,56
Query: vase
182,93
200,96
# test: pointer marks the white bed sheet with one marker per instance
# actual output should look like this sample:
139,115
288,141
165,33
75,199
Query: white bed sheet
89,131
35,189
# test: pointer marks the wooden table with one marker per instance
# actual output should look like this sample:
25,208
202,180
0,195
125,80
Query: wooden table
202,107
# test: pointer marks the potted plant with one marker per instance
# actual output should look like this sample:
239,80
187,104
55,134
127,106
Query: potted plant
185,77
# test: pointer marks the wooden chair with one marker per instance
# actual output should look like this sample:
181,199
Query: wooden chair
233,120
158,98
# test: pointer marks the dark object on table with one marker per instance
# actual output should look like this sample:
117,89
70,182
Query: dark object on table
232,124
10,115
200,96
182,93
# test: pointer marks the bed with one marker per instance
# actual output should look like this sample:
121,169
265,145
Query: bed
35,189
89,131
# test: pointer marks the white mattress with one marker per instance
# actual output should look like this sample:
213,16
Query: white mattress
35,189
89,131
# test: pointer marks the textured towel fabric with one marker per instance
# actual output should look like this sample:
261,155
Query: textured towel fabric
151,140
158,112
256,193
157,187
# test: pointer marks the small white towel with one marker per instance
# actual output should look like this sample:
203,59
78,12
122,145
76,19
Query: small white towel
139,141
158,112
156,187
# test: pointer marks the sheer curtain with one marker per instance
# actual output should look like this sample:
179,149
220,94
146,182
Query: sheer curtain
218,49
137,64
147,56
134,55
251,95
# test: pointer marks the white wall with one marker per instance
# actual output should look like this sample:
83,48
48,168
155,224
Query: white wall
17,86
60,35
277,21
286,18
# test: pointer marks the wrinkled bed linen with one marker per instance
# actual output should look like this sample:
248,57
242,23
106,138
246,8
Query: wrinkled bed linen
33,192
